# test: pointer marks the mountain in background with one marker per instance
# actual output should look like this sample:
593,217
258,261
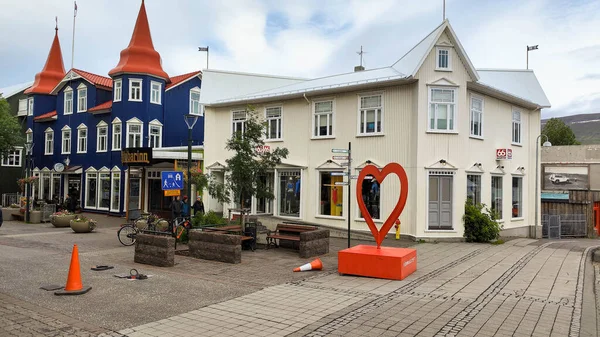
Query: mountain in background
586,127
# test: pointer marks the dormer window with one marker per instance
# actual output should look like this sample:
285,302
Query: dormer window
68,107
155,92
81,98
443,59
135,90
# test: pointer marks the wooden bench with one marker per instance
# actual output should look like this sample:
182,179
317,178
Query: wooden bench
287,232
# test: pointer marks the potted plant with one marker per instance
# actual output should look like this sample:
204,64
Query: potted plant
62,218
82,224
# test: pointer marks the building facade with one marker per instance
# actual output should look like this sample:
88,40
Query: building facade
459,132
80,123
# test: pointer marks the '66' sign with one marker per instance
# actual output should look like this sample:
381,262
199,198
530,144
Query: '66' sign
503,154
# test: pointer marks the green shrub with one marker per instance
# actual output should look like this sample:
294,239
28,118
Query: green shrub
210,218
480,223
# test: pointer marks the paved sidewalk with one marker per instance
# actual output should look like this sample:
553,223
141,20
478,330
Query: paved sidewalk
521,288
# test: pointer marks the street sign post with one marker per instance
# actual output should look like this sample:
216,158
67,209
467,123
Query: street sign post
339,173
340,151
171,180
340,157
341,183
347,163
354,177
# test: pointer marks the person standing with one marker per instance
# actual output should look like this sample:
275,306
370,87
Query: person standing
198,206
176,208
185,207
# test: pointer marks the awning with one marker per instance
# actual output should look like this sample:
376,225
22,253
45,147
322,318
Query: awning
73,170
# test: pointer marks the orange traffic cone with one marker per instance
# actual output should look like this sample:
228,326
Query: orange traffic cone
315,265
74,285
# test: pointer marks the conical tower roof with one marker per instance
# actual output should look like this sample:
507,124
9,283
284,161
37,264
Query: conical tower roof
53,71
140,56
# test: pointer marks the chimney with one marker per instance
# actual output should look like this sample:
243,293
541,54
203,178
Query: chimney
359,68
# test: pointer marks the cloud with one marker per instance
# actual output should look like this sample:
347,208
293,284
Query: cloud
585,104
590,77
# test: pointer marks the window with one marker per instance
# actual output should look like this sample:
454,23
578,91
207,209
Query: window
195,107
135,90
474,188
118,87
517,197
29,136
497,196
371,197
56,193
82,139
476,116
273,116
370,114
30,106
45,186
323,119
102,138
66,140
116,136
443,59
442,104
516,127
331,196
239,121
155,92
115,204
104,190
22,107
289,193
91,184
155,131
68,108
49,142
440,206
13,158
134,133
81,98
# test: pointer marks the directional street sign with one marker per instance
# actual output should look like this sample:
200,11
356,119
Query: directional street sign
339,157
354,177
339,173
341,183
344,163
171,180
339,150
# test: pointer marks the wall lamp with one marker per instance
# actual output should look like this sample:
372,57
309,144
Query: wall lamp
443,162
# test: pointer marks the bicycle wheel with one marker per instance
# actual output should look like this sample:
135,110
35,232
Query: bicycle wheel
126,235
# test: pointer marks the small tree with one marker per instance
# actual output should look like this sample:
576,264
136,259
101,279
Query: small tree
480,223
559,133
10,130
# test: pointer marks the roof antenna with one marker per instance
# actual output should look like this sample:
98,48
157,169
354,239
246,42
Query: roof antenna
360,67
56,20
444,13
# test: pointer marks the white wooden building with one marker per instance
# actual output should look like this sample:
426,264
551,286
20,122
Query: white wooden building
432,111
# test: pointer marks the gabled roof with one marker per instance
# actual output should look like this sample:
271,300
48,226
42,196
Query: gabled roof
49,116
522,84
104,107
180,79
140,57
14,89
98,81
53,71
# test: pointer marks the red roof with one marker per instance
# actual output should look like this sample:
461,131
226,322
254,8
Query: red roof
97,80
46,115
175,80
53,71
103,106
140,56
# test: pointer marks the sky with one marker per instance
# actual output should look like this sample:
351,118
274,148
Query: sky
314,38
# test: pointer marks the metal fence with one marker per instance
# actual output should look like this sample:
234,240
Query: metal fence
557,226
10,198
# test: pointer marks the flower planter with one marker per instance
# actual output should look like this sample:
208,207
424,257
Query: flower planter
35,217
82,226
62,220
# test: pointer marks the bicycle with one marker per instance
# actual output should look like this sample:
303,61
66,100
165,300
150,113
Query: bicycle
128,232
178,226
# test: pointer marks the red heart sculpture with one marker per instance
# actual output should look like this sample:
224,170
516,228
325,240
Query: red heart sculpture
372,170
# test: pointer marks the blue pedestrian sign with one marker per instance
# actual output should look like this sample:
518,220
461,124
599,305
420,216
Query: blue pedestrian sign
171,180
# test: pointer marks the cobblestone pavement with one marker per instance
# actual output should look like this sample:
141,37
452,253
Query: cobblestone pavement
521,288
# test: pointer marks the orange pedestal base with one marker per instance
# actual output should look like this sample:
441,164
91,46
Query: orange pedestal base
386,262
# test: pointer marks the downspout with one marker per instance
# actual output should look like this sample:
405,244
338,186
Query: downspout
304,95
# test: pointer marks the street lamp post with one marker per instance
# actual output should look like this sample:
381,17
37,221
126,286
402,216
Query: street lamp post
28,148
190,121
532,232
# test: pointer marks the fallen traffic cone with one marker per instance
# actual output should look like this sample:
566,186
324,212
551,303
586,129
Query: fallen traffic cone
315,265
74,285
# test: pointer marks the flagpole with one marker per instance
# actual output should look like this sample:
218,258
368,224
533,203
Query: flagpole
73,41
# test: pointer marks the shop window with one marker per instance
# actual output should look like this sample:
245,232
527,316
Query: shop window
331,196
289,193
371,197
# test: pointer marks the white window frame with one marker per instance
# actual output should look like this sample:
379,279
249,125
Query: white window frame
117,137
82,99
455,110
330,118
88,174
501,210
364,133
318,198
131,91
448,50
29,136
101,139
17,158
517,123
49,142
512,197
475,112
103,172
155,124
131,122
115,174
22,107
68,102
81,128
118,90
277,120
155,94
193,103
66,149
30,106
242,122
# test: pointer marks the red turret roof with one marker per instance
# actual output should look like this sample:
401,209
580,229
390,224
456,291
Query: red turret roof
53,71
140,56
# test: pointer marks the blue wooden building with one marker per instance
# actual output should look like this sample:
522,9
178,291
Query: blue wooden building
80,123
